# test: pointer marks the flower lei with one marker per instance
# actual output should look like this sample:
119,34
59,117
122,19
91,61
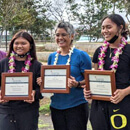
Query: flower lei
59,51
12,63
117,51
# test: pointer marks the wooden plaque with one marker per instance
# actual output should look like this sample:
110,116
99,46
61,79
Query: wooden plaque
101,84
17,86
55,78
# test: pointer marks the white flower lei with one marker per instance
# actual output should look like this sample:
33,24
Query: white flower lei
70,53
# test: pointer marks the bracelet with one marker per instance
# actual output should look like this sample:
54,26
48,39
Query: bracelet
78,86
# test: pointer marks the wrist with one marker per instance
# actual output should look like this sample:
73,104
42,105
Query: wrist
78,85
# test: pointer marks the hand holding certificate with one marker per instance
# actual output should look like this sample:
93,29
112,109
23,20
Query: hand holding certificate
100,83
16,86
55,78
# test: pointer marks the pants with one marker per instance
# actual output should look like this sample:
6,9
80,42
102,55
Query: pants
109,116
70,119
27,120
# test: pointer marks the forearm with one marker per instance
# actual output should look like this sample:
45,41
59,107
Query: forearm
95,66
127,91
82,82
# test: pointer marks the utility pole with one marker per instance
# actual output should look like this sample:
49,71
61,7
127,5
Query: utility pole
6,39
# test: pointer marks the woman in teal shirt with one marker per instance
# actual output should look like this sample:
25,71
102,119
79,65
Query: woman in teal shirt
69,111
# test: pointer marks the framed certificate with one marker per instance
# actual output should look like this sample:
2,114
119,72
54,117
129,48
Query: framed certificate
101,84
55,78
16,86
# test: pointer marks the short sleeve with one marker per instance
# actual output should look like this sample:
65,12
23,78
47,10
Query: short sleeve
49,62
85,61
95,56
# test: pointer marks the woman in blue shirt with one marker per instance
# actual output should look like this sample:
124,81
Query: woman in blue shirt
69,111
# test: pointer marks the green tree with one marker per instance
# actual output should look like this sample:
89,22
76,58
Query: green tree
113,5
89,14
8,10
42,25
16,14
40,28
26,17
124,6
58,10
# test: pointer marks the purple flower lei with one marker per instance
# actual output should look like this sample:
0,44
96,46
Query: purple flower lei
117,51
12,63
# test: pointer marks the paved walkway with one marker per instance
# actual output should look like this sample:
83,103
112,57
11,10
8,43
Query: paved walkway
45,122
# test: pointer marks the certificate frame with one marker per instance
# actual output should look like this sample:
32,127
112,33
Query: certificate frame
46,75
90,82
8,78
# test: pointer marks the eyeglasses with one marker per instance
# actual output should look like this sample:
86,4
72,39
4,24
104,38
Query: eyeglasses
62,34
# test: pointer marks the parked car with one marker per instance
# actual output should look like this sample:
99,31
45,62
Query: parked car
86,38
100,40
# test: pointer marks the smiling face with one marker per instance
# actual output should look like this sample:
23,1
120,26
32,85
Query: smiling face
62,38
21,46
109,29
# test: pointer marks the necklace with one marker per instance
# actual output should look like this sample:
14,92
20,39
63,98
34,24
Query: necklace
111,52
117,51
59,51
12,63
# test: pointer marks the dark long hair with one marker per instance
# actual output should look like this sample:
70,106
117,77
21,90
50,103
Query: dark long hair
29,38
118,20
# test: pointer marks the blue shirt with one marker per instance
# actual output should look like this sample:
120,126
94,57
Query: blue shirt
80,61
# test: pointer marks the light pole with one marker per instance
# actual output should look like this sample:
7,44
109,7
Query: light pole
6,38
0,35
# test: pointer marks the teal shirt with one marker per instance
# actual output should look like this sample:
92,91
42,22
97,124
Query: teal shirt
80,61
